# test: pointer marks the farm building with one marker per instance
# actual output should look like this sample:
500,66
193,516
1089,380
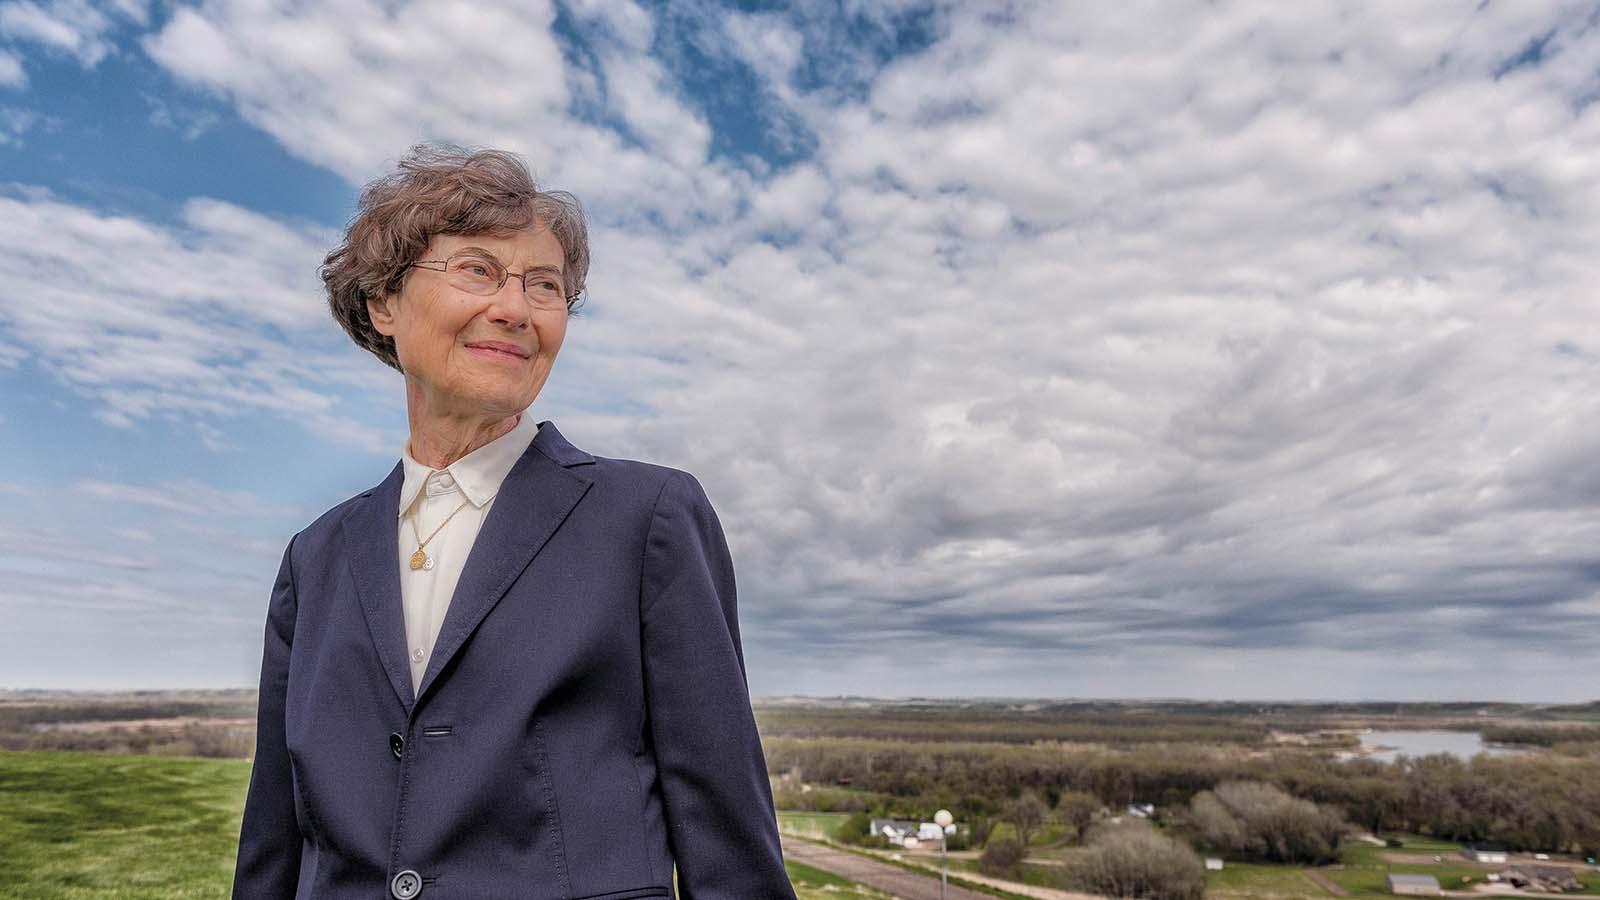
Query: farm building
1484,853
896,830
1213,864
1413,884
909,834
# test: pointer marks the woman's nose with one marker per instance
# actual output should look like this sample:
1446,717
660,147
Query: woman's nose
511,306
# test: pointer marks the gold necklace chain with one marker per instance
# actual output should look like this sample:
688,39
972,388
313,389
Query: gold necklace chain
420,559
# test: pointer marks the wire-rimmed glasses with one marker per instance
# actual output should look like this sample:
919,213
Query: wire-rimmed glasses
476,271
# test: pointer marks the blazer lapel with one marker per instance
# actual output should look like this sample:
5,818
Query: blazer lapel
539,492
371,538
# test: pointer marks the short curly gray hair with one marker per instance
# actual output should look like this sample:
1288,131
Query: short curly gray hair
441,189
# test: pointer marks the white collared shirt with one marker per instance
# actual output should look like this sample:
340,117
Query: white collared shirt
473,479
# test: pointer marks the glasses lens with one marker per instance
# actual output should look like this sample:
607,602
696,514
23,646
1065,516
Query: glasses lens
544,291
477,274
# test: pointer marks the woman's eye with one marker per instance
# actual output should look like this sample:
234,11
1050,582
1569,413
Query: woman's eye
477,269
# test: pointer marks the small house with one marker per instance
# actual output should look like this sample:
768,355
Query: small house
1213,864
895,831
906,833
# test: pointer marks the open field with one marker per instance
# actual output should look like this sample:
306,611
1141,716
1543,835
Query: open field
810,824
1361,874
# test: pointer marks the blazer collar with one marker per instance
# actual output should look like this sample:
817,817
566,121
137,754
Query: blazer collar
538,493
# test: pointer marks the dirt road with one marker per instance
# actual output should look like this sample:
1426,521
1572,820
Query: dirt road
883,876
901,883
1322,881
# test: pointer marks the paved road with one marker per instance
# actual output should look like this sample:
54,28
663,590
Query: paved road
883,876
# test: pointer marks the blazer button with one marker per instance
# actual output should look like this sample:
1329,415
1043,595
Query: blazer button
406,884
396,743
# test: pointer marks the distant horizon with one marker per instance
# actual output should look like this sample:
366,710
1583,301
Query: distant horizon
911,698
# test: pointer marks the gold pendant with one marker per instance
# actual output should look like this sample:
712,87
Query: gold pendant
418,559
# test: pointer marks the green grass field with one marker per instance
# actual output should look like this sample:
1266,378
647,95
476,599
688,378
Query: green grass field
810,824
76,826
82,825
1361,873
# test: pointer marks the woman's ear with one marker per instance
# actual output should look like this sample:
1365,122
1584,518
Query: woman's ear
380,312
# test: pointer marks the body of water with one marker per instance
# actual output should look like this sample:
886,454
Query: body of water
1464,744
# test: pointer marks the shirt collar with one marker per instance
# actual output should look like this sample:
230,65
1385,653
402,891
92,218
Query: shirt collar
479,473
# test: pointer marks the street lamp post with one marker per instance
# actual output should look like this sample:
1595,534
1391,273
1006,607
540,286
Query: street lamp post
943,819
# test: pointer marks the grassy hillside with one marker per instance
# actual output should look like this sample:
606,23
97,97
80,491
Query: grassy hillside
114,827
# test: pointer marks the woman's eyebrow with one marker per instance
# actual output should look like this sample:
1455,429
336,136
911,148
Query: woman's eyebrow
538,268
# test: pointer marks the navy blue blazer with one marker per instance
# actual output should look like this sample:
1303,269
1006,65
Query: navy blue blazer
583,725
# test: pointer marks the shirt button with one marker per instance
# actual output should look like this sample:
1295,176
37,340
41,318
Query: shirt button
416,655
397,742
406,884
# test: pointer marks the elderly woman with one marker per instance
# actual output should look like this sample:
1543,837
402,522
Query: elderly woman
512,669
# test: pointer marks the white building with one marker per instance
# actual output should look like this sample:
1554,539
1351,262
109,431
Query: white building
908,834
1484,853
1413,884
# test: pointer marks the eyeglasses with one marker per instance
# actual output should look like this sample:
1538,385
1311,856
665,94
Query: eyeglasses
478,272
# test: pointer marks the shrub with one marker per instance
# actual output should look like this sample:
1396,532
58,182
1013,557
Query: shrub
1262,821
854,830
1134,860
1002,859
981,826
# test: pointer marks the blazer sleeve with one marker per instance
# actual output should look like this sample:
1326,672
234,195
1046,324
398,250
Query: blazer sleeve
268,867
720,820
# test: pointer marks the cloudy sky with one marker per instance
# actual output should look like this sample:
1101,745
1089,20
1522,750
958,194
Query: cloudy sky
1095,349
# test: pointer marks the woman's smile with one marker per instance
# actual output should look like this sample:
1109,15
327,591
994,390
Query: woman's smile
500,355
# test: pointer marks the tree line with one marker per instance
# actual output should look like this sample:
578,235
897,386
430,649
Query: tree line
1537,801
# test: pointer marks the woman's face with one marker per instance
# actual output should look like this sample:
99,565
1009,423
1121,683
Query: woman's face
436,326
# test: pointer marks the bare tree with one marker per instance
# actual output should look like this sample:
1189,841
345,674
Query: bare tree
1027,813
1077,808
1135,860
1263,821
